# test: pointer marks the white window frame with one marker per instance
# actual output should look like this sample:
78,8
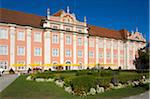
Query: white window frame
91,54
3,65
21,36
55,39
91,43
36,53
80,53
37,37
19,51
100,55
55,52
3,49
3,33
108,55
79,41
68,53
68,41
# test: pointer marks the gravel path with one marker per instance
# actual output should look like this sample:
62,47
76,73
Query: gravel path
6,80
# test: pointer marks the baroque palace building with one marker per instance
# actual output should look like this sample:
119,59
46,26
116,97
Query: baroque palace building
27,40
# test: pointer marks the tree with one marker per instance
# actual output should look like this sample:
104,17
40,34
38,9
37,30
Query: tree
142,61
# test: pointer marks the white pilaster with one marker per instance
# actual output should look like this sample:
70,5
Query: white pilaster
28,46
118,53
12,45
112,52
47,50
74,49
86,49
61,47
104,51
126,55
97,47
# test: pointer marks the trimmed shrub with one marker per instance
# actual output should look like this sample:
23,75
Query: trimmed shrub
82,84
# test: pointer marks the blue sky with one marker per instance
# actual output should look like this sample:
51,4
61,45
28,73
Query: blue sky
112,14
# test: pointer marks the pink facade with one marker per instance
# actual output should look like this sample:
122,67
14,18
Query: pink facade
61,38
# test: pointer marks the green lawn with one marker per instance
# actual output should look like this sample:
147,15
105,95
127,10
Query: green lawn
22,89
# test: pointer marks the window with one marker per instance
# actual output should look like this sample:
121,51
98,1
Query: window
55,27
68,40
21,36
3,34
3,50
108,44
55,39
100,55
79,53
37,37
55,52
80,31
68,29
108,55
37,52
79,41
115,55
100,44
21,50
3,64
121,56
91,54
91,43
68,53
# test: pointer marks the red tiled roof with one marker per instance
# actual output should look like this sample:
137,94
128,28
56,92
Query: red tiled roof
10,16
20,18
104,32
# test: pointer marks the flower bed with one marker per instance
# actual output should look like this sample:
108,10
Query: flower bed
90,82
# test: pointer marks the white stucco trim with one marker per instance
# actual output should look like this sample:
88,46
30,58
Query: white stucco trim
97,47
86,49
74,49
28,46
61,47
12,46
47,49
118,52
104,50
112,52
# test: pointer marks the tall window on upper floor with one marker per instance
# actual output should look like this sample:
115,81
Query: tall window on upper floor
55,52
37,37
115,56
91,54
37,52
55,39
68,39
79,41
20,35
91,43
68,53
21,50
79,53
108,55
3,34
3,50
100,54
101,43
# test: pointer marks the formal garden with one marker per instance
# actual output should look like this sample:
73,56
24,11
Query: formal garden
78,84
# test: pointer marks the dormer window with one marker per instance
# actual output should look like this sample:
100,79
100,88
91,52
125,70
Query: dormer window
137,37
68,29
55,27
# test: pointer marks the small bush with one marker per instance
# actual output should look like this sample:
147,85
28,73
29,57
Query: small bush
82,84
11,71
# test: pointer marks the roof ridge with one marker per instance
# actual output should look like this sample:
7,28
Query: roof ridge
21,12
